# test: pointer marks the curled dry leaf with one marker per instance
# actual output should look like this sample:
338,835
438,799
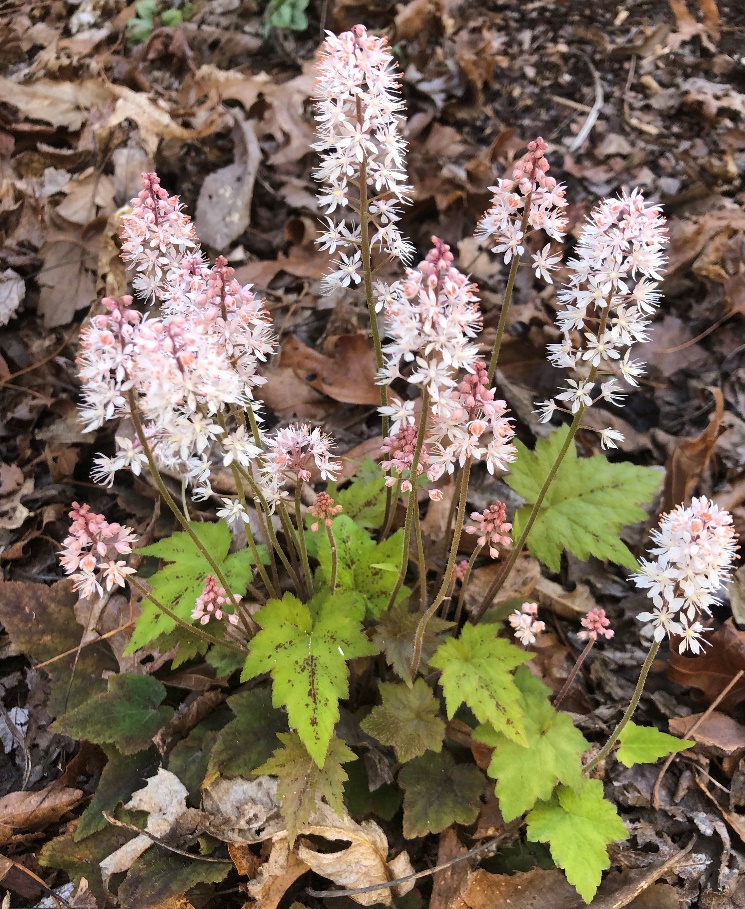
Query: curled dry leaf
567,604
24,811
711,671
224,206
64,104
13,487
242,811
718,735
12,292
347,375
521,582
275,876
362,864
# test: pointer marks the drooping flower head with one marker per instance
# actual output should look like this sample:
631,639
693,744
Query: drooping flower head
492,526
530,201
607,304
212,601
359,125
694,551
90,552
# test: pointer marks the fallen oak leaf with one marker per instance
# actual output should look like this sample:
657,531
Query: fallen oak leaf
348,375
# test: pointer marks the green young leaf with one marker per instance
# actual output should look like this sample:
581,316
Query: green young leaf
249,739
408,719
394,635
477,671
364,499
127,715
586,506
178,584
224,662
301,780
527,774
438,792
364,567
645,745
307,655
122,775
171,17
578,825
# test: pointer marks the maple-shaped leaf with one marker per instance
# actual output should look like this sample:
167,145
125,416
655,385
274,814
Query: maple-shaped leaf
586,506
477,671
438,792
364,499
578,825
408,720
301,780
126,715
249,739
364,567
178,584
527,774
306,652
645,745
394,635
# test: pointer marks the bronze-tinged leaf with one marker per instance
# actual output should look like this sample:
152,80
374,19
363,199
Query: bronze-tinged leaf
41,622
347,374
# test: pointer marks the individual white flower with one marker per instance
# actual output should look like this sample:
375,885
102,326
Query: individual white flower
401,413
578,394
233,512
610,437
544,263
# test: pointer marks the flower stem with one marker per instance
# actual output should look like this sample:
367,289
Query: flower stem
169,500
466,579
606,749
421,560
413,502
390,512
301,539
444,587
334,558
292,548
573,674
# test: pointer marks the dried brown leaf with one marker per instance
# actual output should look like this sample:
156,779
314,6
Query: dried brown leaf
711,671
23,811
64,104
521,582
348,375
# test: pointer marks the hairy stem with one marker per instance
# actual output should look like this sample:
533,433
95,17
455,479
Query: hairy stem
466,579
301,539
334,558
292,548
635,698
573,674
421,560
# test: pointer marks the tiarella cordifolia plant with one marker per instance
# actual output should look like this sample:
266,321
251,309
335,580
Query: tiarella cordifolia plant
316,587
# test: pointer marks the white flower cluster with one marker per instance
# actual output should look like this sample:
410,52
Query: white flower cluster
607,304
694,550
432,319
362,151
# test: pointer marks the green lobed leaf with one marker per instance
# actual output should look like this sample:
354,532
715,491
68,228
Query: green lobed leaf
179,583
158,877
307,655
367,568
586,506
645,745
364,499
394,635
122,775
128,715
190,757
477,671
578,825
438,792
249,739
527,774
408,720
301,780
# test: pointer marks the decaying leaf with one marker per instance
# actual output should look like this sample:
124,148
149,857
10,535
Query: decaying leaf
24,811
63,104
718,736
711,671
275,876
347,375
242,811
224,205
363,863
13,486
67,281
520,583
12,292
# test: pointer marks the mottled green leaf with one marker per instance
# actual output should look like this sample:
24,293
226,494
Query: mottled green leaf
307,655
586,506
438,792
301,780
394,635
128,715
408,720
477,671
158,877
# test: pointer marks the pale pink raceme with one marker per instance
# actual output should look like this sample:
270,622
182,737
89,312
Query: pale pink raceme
525,623
324,510
695,548
529,202
359,125
90,553
212,602
607,304
290,455
399,449
594,625
493,527
432,322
